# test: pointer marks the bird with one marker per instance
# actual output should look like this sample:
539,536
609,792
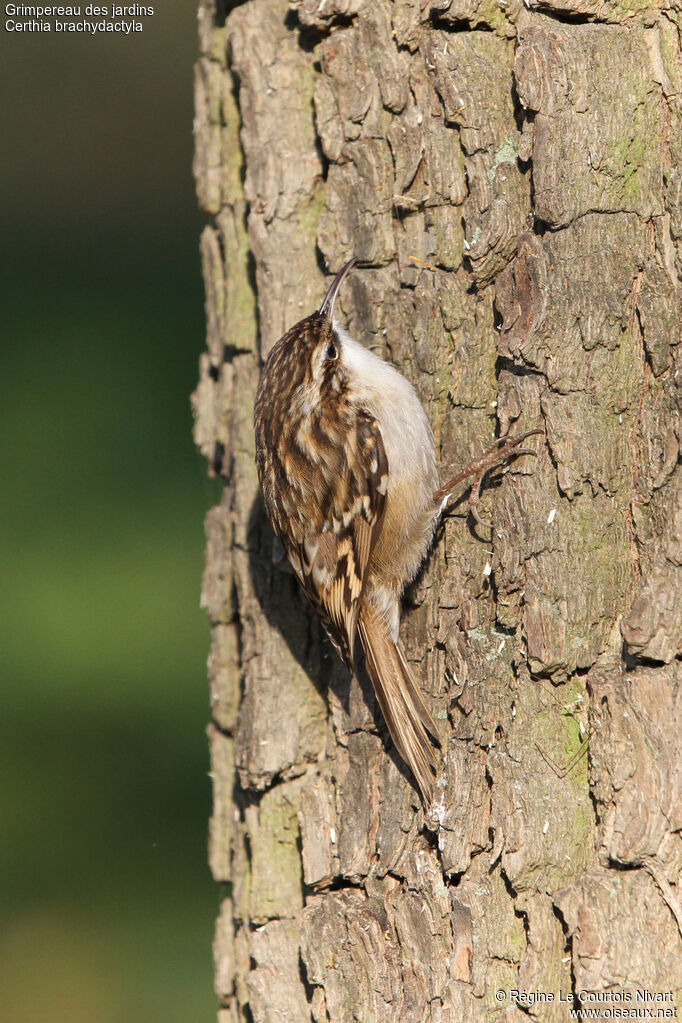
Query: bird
347,466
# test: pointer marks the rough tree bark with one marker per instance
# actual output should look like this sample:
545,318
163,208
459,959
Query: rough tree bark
530,155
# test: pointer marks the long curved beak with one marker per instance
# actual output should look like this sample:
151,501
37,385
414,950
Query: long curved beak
327,307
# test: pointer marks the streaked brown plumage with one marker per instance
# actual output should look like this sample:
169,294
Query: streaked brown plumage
347,466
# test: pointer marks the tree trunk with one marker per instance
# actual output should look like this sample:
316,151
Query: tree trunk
511,175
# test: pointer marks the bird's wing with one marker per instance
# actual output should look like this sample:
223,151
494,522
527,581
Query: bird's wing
331,562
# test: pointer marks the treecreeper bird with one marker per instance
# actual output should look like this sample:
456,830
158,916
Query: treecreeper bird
347,465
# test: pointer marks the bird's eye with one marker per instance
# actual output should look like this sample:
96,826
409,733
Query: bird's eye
331,352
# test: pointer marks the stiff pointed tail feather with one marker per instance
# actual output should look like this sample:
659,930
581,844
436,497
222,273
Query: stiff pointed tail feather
412,728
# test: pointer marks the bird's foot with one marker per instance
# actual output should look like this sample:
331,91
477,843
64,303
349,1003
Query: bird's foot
499,453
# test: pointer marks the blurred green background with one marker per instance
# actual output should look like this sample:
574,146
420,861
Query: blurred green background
107,907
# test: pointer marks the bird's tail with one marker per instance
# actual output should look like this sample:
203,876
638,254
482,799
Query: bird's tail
412,728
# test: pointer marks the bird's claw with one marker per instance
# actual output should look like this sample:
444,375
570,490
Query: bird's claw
499,452
474,497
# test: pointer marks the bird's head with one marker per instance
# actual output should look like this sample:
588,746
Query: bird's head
306,364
